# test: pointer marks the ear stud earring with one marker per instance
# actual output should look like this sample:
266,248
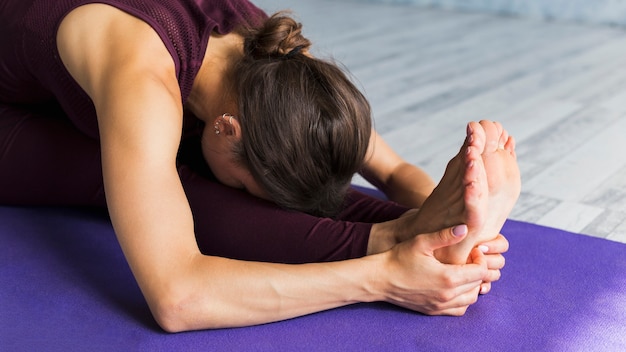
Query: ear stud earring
223,118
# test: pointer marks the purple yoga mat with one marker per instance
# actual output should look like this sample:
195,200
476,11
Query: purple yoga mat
64,286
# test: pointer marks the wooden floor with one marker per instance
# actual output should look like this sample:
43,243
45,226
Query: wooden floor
559,88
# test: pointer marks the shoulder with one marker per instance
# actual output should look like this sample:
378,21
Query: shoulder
96,41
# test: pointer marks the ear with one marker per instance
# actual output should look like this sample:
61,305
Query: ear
234,127
227,125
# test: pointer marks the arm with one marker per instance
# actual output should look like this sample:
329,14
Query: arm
401,181
138,104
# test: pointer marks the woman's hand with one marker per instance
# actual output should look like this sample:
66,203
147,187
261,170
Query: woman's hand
495,260
415,279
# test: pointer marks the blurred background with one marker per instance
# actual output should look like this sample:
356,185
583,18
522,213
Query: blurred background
552,71
608,12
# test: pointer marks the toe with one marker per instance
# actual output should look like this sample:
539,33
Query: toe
476,136
472,157
504,135
492,135
510,145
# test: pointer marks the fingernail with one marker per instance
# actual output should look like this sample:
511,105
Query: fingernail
483,290
459,230
483,248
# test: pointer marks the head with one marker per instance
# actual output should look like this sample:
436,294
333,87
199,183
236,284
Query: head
304,125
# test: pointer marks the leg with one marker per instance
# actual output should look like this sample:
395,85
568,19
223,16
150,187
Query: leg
361,207
44,160
234,224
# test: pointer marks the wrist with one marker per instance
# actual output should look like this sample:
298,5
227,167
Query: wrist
382,237
375,282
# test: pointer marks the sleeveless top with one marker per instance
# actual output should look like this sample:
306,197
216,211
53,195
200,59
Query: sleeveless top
32,73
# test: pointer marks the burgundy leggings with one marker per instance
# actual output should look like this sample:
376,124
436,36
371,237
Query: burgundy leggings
45,160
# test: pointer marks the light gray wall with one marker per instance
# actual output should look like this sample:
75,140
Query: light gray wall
611,12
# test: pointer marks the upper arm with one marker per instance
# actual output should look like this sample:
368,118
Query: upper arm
131,80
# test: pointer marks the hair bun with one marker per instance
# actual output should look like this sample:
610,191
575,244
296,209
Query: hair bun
280,37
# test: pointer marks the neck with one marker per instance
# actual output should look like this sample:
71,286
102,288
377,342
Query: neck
209,95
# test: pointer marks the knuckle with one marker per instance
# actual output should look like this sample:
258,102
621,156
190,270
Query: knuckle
448,281
445,296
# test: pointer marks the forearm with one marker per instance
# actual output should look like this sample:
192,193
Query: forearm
401,182
222,292
408,185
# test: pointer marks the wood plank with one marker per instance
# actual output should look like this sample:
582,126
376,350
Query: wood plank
570,216
577,175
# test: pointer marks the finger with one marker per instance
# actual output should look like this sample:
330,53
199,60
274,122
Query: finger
495,261
443,238
496,246
459,304
478,258
468,292
467,277
485,288
476,270
492,275
456,312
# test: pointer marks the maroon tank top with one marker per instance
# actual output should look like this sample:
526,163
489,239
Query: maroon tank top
32,73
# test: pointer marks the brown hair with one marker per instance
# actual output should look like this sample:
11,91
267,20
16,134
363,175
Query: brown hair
305,126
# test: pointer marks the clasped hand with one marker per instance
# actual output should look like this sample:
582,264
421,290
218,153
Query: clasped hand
417,280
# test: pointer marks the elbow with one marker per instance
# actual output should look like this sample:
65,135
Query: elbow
178,303
175,309
168,312
180,310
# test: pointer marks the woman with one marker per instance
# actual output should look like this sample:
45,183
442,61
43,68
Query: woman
127,80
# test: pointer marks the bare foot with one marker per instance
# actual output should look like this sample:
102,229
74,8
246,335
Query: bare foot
461,195
503,186
479,188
